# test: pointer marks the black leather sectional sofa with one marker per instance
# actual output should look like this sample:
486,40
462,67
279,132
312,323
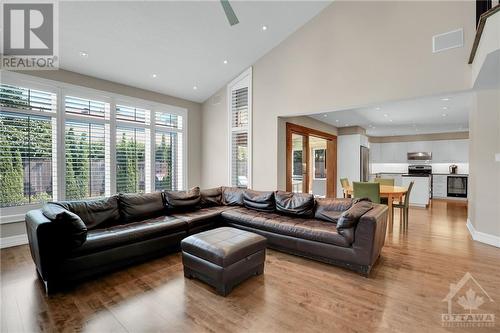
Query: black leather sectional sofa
73,240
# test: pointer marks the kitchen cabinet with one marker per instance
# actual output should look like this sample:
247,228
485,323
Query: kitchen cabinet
439,184
420,193
443,151
375,153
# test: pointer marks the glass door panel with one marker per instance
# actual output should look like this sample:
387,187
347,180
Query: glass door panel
299,173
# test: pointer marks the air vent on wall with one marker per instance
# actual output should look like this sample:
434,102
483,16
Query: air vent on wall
448,40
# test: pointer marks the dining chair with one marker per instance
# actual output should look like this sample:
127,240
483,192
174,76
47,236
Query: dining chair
405,205
344,182
385,181
366,190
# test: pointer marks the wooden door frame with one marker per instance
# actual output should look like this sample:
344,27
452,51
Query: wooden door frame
331,163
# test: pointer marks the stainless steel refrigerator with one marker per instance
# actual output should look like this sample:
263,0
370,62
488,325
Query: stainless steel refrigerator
364,167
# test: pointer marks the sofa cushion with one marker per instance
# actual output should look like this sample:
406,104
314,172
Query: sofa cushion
232,196
183,200
95,213
73,230
310,229
101,239
350,217
259,200
330,209
296,204
141,206
211,197
201,216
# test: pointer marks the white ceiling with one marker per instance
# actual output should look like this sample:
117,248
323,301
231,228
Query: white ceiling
417,116
183,43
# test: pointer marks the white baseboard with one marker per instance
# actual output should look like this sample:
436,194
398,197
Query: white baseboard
13,241
483,237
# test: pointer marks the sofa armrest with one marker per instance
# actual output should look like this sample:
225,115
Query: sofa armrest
369,236
39,228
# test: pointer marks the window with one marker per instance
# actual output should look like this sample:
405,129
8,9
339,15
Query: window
94,147
319,163
130,160
25,159
131,114
168,161
85,162
28,99
240,96
85,107
26,145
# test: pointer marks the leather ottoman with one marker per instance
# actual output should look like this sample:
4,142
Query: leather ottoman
223,257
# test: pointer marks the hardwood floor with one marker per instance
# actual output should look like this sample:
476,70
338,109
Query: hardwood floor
404,293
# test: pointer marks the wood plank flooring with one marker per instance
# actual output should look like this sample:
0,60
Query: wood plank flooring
404,293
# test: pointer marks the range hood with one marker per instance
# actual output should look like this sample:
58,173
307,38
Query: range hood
419,156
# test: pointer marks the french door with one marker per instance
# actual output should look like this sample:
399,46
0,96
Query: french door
311,161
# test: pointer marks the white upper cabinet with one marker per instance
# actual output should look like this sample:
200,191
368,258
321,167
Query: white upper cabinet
443,151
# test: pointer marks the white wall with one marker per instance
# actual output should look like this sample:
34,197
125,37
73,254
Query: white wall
349,158
484,181
352,54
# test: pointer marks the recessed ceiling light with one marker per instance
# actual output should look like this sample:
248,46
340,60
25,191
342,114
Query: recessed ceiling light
195,88
325,115
386,115
390,120
445,99
264,27
83,54
377,108
444,108
336,120
444,115
154,76
225,62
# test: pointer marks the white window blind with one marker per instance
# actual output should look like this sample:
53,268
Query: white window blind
165,119
240,115
85,160
130,160
28,99
25,159
86,107
168,161
129,113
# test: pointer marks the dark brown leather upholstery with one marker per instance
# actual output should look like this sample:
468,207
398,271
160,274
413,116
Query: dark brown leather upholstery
62,253
232,196
100,239
223,246
183,200
201,217
223,257
329,209
259,200
137,207
211,197
73,230
296,204
95,213
311,229
350,217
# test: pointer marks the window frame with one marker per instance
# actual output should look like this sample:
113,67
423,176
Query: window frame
59,118
241,81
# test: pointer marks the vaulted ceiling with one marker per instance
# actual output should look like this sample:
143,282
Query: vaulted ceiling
185,49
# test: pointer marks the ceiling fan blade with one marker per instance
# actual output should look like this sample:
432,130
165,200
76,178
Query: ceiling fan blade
231,16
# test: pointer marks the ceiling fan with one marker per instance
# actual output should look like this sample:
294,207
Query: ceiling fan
231,16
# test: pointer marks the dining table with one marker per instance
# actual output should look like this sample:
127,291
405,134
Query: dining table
386,191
